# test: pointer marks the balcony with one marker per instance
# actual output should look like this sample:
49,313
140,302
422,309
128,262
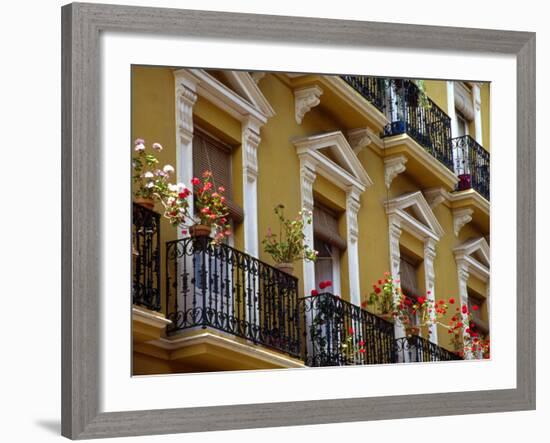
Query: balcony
145,257
338,333
214,287
472,165
217,287
416,349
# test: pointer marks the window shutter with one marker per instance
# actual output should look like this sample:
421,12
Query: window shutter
325,227
212,155
408,278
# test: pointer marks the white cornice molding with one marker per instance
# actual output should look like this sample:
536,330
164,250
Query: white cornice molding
309,147
305,99
393,166
150,318
425,225
359,138
461,217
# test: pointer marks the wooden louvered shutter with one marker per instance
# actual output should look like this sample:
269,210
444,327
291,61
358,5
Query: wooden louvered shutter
409,281
325,226
212,155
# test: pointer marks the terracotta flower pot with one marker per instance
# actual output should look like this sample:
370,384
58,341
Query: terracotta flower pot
285,267
148,203
200,231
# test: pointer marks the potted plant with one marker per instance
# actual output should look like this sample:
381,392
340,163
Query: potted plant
290,244
211,215
151,182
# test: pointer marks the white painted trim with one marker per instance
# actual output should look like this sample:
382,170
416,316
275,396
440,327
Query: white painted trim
451,109
426,228
313,162
461,217
393,166
476,97
305,99
309,147
224,98
360,138
245,85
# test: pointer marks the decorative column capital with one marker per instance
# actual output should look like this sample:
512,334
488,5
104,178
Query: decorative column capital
359,139
308,175
305,99
393,166
186,97
460,218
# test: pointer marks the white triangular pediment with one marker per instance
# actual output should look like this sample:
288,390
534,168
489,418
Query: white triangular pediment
244,85
476,249
414,208
335,156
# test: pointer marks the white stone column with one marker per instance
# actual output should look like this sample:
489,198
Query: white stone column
463,276
451,111
476,97
395,259
250,142
429,275
186,96
353,204
307,177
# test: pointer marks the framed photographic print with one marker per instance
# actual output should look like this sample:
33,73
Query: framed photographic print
276,221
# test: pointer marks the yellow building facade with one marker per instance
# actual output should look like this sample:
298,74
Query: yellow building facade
397,181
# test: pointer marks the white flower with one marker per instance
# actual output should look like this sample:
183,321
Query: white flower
149,185
168,169
148,174
170,200
181,187
172,187
157,147
140,147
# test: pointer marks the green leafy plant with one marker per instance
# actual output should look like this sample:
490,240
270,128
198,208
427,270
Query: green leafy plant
290,244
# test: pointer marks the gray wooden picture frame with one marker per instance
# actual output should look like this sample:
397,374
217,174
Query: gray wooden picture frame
81,229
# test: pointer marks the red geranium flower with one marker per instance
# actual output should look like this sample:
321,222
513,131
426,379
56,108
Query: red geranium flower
475,307
350,330
464,309
452,300
314,292
362,350
421,300
195,181
377,290
362,343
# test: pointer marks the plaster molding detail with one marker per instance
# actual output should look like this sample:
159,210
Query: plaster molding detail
257,76
307,177
306,99
250,140
359,138
393,166
461,217
353,203
435,196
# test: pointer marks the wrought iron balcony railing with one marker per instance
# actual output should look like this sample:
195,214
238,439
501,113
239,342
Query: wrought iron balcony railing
472,165
418,349
338,333
217,286
409,112
374,89
145,257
